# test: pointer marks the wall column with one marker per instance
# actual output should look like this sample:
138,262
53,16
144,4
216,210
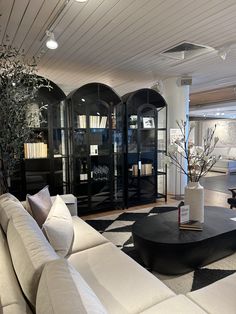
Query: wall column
177,98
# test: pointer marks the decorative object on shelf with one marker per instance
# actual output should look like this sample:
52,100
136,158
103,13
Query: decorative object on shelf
148,123
133,122
93,150
197,161
18,87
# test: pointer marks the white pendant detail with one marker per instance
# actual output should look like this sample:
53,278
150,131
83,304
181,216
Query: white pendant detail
194,197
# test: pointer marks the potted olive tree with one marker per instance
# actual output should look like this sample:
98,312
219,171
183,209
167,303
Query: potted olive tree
19,84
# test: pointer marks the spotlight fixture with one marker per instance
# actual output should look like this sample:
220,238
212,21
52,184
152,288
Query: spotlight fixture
51,42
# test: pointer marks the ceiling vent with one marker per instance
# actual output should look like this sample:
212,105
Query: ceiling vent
186,50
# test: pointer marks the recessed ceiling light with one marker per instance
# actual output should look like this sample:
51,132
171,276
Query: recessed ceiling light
80,0
217,113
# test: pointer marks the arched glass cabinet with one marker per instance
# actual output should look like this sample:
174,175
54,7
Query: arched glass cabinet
46,152
96,148
145,146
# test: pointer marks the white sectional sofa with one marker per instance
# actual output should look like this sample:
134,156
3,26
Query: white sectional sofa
227,163
95,277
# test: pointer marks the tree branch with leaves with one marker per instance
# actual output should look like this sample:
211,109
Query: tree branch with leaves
198,160
19,85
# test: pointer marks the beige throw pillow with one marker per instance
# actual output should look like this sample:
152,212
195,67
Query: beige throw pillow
58,227
63,290
40,205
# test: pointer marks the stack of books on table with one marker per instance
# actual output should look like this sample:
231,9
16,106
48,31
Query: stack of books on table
193,225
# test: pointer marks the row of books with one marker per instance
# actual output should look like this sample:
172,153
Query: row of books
94,121
35,150
146,170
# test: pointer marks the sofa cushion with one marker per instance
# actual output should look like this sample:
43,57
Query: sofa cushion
63,290
176,305
9,205
29,252
14,309
70,201
40,205
11,297
85,236
218,297
121,284
232,153
58,227
221,151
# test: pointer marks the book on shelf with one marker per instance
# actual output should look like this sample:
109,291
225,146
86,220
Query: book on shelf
98,122
193,225
146,169
35,150
94,121
81,121
103,122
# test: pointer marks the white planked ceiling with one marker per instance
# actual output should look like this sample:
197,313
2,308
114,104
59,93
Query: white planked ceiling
118,42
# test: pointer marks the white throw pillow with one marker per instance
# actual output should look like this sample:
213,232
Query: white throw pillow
62,290
58,227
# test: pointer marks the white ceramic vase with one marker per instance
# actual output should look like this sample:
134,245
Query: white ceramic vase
194,197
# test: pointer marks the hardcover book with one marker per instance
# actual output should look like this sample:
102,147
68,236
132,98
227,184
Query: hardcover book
191,225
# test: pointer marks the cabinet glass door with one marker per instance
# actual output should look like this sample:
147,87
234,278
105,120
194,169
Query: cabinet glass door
96,147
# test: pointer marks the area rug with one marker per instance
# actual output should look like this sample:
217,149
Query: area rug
117,229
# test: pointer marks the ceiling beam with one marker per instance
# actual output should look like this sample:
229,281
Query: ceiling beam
213,96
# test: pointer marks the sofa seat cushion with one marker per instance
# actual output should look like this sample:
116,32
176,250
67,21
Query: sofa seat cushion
63,290
9,206
85,236
11,297
30,251
177,305
122,285
218,297
58,227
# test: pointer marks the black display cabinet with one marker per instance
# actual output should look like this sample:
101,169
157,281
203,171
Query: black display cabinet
96,152
46,152
145,118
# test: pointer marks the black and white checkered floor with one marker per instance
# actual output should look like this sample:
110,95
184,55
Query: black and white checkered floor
117,229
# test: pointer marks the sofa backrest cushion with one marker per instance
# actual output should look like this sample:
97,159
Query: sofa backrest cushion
58,227
9,206
221,151
232,153
40,205
11,296
30,251
63,290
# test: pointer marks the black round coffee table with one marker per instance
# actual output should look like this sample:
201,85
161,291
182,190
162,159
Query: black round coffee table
168,250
